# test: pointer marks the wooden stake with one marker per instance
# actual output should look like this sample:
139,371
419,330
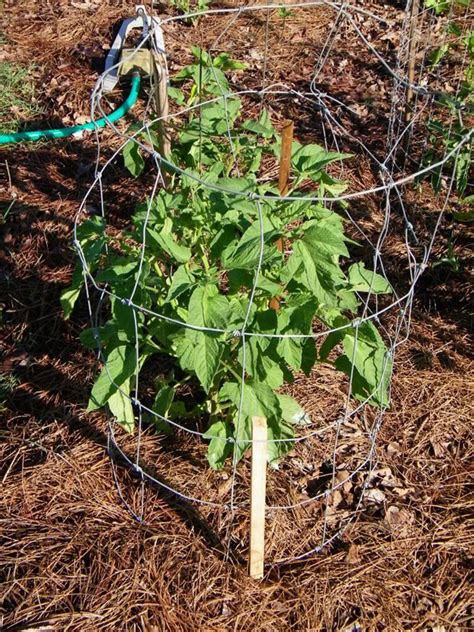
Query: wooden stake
257,498
283,181
285,157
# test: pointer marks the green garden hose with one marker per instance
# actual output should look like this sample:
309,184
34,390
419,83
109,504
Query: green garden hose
63,132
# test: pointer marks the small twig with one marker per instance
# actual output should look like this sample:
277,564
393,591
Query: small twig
10,186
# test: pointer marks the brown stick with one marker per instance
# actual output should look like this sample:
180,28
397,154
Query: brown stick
161,98
412,56
283,182
257,497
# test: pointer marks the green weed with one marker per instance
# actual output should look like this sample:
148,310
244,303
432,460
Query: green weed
17,96
8,383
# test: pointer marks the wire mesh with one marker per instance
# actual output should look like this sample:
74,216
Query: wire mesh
344,438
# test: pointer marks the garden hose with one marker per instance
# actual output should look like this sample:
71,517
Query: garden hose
64,132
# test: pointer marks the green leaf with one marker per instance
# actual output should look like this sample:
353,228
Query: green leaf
123,316
367,351
309,356
256,161
177,95
347,300
70,295
215,117
158,209
333,338
262,127
206,77
132,158
181,281
236,184
292,412
120,366
201,55
208,308
291,350
262,361
200,351
258,400
315,258
330,186
214,81
316,271
311,159
295,318
108,334
327,236
438,5
162,404
184,73
270,372
363,280
463,165
164,241
453,28
163,400
225,62
93,226
278,430
219,448
116,274
465,217
91,236
247,252
121,407
437,55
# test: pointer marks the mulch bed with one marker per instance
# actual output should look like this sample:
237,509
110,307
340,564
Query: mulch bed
71,556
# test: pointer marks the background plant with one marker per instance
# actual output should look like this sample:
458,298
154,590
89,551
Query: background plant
17,95
187,6
453,121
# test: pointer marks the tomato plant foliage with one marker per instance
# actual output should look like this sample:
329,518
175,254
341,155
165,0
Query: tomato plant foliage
202,248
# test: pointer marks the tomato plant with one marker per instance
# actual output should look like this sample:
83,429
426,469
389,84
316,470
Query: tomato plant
202,248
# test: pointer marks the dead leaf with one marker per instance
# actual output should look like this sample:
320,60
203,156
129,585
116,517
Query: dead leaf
438,447
398,519
336,498
353,556
402,491
375,495
343,478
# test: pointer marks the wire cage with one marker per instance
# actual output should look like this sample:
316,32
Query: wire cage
368,110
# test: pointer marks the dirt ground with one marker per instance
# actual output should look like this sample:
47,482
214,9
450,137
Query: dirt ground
71,556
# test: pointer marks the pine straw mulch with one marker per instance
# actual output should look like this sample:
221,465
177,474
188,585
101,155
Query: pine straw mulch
74,559
71,556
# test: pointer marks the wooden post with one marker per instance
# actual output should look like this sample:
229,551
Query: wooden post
257,497
283,181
